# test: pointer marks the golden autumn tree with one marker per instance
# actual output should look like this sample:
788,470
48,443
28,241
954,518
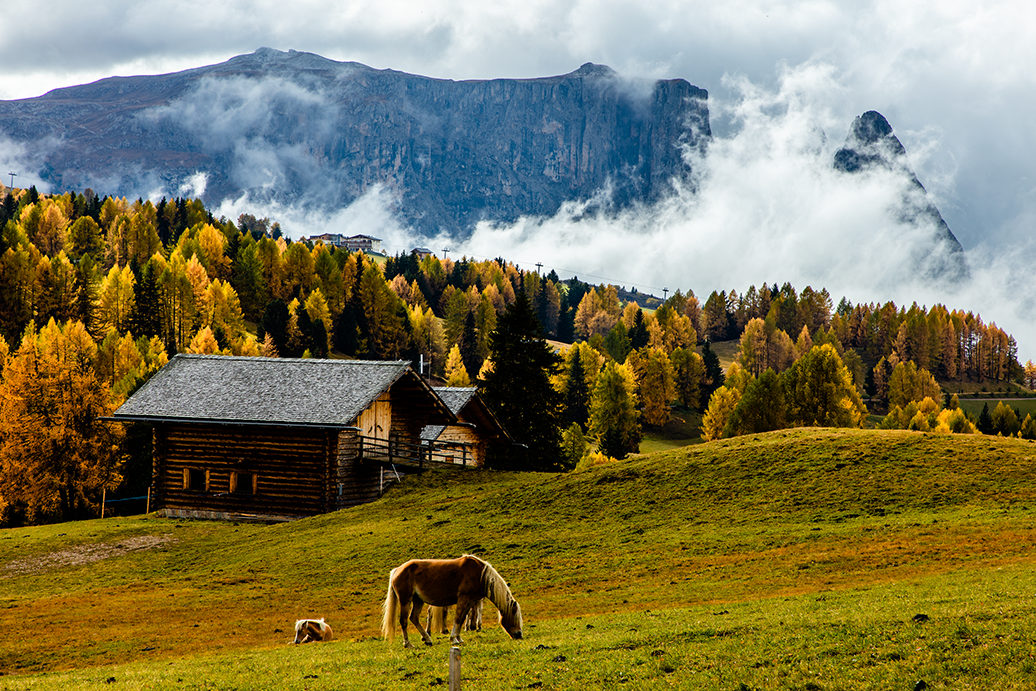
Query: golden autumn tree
56,456
721,406
204,343
385,313
456,375
656,381
614,419
115,301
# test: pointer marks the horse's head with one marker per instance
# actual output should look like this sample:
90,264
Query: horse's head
307,630
511,620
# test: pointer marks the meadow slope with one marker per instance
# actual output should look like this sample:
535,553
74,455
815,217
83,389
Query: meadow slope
794,559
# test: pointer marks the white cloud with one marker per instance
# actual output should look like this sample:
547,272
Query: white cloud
772,209
953,77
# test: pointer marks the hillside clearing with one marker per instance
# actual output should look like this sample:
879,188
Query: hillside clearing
823,539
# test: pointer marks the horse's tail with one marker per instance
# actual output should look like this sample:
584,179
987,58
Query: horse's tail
390,610
436,619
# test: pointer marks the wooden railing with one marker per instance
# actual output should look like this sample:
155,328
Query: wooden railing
427,454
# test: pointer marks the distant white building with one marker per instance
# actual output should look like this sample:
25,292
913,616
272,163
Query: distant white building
353,243
366,243
336,239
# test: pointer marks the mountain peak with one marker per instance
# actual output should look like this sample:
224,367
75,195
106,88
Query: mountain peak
871,144
589,69
871,127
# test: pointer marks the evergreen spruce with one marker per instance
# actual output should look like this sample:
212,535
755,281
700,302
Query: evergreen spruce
577,394
344,337
519,390
638,335
275,322
146,316
469,347
713,374
985,421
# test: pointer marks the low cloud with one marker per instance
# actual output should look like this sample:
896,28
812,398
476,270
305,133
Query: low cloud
24,160
769,208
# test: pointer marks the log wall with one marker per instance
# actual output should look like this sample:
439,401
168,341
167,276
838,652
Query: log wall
474,451
284,471
360,481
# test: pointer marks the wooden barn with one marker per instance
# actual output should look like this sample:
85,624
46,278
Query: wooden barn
280,438
467,440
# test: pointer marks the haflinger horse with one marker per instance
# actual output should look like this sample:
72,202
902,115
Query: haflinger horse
437,619
309,630
443,583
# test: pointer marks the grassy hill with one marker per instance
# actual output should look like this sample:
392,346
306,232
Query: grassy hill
796,559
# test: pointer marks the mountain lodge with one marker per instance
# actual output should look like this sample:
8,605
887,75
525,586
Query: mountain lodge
282,438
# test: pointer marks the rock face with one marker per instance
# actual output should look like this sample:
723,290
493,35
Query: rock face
298,128
872,144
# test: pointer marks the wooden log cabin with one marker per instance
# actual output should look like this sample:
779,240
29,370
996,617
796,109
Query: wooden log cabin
466,441
280,438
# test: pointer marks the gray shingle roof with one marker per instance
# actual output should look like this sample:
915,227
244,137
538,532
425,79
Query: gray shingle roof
262,390
455,397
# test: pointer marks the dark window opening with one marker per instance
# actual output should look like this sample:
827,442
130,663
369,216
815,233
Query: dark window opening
243,483
196,480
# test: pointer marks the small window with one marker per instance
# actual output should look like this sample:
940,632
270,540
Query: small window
243,483
196,480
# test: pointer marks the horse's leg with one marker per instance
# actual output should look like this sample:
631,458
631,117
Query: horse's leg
415,616
463,606
404,613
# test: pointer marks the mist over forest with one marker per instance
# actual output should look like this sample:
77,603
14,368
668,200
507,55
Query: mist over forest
756,201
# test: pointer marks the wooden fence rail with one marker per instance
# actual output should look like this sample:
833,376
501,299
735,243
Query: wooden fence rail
427,455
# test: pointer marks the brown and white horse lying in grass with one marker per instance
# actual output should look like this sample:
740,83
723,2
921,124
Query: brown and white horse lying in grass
442,583
309,630
437,619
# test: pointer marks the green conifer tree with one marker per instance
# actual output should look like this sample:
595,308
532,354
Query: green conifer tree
985,421
519,390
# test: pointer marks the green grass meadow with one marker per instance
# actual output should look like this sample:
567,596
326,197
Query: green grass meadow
1023,406
799,559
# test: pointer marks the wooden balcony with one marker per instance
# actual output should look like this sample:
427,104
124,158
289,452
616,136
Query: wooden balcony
424,455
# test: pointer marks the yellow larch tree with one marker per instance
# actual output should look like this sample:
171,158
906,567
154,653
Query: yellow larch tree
456,374
56,455
115,300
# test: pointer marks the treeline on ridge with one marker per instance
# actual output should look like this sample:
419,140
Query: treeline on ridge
97,293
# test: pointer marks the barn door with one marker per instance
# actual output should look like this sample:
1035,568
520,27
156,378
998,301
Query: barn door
376,420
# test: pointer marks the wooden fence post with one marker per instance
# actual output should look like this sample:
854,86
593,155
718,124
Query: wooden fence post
454,668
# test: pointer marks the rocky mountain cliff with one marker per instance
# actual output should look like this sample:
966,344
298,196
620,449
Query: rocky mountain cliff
305,131
298,128
871,144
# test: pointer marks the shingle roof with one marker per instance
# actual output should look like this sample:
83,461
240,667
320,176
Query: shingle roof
455,397
262,390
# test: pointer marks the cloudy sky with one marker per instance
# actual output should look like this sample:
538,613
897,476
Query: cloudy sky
956,80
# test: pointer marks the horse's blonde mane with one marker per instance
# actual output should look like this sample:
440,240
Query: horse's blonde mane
496,587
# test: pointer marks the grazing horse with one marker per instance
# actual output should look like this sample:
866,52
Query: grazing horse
437,619
442,583
309,630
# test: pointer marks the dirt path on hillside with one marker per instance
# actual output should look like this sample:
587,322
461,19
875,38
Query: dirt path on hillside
83,554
